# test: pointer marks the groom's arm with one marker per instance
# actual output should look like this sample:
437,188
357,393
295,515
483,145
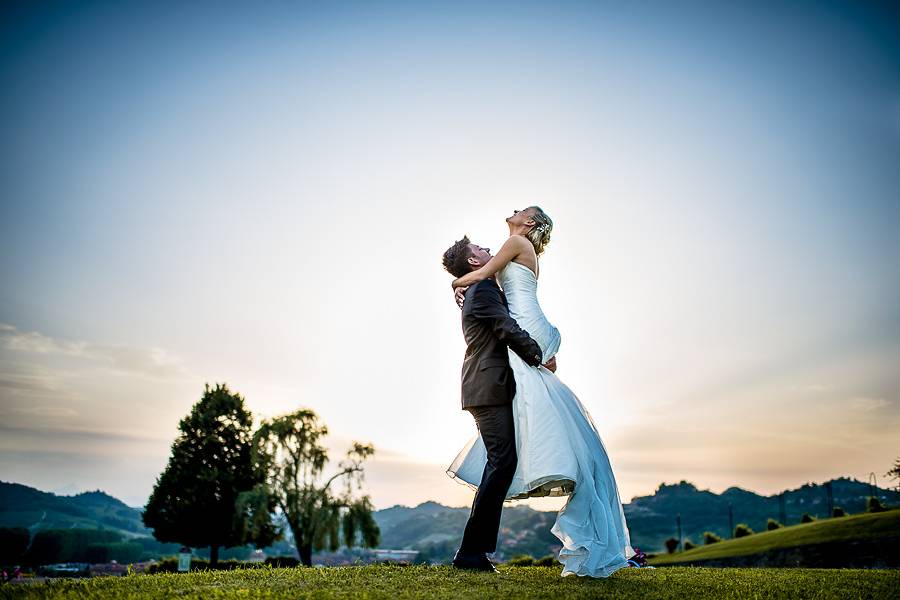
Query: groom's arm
487,306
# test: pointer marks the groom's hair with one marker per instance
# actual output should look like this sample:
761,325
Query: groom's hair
457,256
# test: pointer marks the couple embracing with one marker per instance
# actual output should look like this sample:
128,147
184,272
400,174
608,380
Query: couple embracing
535,438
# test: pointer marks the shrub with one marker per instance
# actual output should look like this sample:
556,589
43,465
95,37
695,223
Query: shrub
521,560
546,561
282,561
671,545
772,524
710,538
838,512
875,505
742,530
807,518
689,545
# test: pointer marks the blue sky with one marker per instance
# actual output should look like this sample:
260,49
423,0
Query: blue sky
260,195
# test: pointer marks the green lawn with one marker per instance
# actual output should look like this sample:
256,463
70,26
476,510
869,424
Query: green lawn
852,528
378,581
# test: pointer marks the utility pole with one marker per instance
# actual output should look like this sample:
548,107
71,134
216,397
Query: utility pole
830,496
730,520
782,510
678,522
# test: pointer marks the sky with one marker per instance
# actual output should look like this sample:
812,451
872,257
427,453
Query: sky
260,194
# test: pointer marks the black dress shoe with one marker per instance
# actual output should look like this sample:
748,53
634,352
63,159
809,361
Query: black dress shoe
475,562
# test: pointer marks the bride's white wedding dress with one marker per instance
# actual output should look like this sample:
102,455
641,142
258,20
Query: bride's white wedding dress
558,448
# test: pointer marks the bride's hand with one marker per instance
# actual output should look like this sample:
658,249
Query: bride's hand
460,295
550,365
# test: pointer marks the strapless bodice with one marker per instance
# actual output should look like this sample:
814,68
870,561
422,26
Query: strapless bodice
520,286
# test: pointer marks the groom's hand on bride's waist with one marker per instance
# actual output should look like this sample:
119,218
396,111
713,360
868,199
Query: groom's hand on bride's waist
550,365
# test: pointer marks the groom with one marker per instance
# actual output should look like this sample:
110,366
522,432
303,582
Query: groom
488,388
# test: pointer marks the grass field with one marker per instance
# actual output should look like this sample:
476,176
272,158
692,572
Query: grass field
844,529
380,581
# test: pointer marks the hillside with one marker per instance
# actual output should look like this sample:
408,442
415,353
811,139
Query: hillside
870,540
23,506
652,519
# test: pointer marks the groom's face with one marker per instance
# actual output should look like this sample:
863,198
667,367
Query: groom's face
478,256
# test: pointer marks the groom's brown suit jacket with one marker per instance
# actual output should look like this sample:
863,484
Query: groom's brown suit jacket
487,378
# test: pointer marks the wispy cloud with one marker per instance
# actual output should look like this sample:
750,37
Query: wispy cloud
149,362
811,387
47,411
33,384
865,403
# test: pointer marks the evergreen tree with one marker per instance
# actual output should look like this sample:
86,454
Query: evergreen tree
287,449
194,501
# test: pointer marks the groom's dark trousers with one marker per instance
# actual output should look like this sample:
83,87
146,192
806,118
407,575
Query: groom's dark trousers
488,389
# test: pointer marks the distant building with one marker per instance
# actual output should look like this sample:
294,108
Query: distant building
110,568
257,556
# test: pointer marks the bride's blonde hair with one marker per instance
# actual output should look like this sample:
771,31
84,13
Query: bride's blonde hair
539,235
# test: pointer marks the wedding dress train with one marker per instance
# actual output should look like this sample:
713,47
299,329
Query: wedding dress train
559,449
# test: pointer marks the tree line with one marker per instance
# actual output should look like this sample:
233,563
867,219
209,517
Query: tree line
873,505
81,545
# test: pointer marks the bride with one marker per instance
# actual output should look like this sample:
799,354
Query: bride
560,452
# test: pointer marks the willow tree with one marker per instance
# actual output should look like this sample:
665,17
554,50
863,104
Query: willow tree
288,450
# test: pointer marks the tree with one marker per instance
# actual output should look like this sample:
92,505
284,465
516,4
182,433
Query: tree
710,538
13,544
894,473
742,530
253,516
287,449
874,505
671,545
195,499
772,524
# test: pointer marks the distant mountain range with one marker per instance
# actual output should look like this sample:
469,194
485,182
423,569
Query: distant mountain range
435,529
